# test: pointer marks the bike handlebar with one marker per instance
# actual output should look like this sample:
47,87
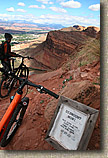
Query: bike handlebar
50,93
42,89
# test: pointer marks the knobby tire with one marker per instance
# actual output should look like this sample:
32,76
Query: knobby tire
19,111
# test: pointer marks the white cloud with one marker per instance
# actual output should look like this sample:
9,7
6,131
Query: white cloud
21,4
42,7
58,1
51,3
21,10
11,17
66,20
95,7
69,20
33,6
71,4
58,9
11,9
36,6
43,1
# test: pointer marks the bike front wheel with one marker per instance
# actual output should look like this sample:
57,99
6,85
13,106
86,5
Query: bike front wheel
6,86
13,125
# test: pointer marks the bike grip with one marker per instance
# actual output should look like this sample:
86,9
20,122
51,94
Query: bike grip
50,93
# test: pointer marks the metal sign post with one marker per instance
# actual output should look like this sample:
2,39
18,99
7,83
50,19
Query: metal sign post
72,125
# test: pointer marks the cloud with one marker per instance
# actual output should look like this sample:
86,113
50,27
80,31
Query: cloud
58,1
65,20
21,4
11,9
36,6
43,1
60,10
95,7
71,4
51,2
21,10
69,20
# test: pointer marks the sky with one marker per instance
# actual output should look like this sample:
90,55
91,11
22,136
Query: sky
64,12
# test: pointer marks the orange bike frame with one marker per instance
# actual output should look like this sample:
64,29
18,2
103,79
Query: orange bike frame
7,116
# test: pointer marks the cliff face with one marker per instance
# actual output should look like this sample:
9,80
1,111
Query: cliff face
64,42
59,45
52,53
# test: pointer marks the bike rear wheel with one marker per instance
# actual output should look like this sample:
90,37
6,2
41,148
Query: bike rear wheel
13,125
6,86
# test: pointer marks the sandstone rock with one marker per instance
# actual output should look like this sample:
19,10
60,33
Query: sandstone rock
83,91
74,28
78,27
91,31
84,74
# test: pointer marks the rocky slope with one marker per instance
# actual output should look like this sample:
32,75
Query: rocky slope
75,57
59,45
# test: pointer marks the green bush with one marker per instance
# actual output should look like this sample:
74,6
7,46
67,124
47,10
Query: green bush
42,101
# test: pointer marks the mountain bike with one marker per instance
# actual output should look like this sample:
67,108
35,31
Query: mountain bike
8,82
14,115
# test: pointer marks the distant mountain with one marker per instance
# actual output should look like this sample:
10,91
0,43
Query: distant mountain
55,26
2,31
38,25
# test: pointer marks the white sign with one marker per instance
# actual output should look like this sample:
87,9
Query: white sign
68,127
